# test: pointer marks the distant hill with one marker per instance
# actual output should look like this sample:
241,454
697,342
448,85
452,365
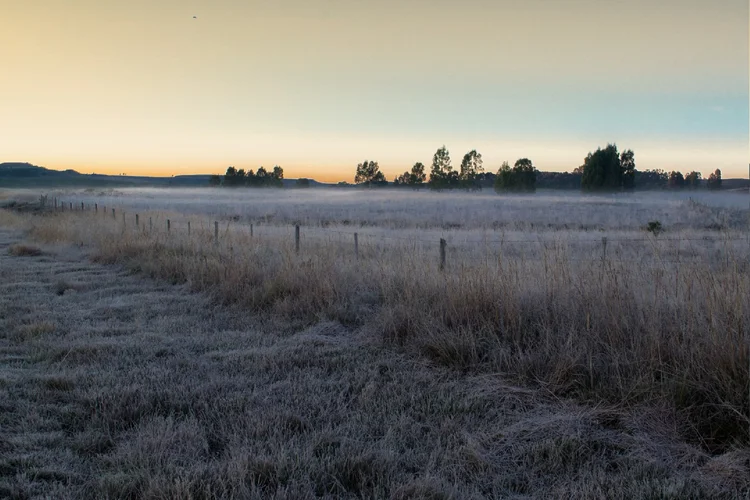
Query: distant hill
26,175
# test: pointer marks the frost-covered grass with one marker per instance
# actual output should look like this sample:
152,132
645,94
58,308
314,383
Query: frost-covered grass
658,321
550,210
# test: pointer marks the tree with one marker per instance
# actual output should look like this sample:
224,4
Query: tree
214,180
714,180
651,179
522,177
471,167
627,166
676,180
606,170
276,178
369,174
417,175
233,178
693,180
441,174
504,178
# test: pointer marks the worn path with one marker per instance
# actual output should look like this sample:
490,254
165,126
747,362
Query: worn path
113,385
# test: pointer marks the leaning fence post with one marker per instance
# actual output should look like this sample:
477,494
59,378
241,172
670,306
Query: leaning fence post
216,232
296,238
356,246
442,254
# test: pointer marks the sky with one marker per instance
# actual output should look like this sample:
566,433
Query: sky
317,86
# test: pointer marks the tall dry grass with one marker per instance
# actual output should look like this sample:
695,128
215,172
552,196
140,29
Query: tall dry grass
623,331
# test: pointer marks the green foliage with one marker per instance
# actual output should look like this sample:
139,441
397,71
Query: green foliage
606,170
261,178
442,175
415,178
714,180
693,180
627,167
676,180
369,174
654,227
520,178
471,169
651,179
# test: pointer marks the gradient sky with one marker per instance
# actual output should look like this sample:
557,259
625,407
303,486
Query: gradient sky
317,86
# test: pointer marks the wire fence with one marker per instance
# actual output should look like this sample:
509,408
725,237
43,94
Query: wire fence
676,250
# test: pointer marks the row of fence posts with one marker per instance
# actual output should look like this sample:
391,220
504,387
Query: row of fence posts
61,204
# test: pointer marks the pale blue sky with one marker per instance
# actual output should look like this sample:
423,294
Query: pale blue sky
319,85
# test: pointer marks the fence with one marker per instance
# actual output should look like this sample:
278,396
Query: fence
667,250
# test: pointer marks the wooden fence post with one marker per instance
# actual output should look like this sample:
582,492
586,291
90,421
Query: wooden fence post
150,224
96,208
188,228
356,246
251,230
216,232
82,209
136,221
113,214
169,225
71,206
296,238
442,254
604,249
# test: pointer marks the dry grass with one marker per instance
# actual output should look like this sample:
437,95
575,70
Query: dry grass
33,330
23,250
147,390
653,322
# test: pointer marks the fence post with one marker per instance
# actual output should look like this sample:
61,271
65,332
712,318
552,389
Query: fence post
356,246
113,214
251,230
71,206
188,228
55,200
296,238
123,221
169,225
136,221
82,209
96,208
604,250
150,225
216,232
442,254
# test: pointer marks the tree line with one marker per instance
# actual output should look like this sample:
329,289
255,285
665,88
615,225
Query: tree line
605,169
260,178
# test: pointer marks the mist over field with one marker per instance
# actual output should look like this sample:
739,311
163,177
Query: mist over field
553,210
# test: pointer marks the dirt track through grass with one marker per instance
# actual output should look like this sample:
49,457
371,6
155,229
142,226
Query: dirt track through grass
113,385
